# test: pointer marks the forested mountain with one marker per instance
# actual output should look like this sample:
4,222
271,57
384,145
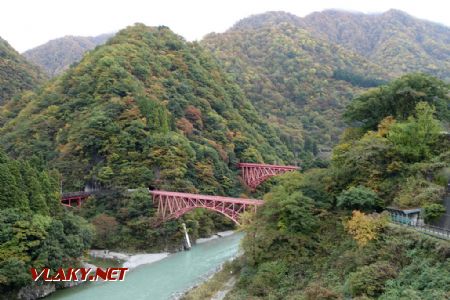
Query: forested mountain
16,74
145,109
57,55
398,42
297,81
301,72
394,40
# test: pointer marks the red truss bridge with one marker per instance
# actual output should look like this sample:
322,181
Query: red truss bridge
74,198
172,205
254,174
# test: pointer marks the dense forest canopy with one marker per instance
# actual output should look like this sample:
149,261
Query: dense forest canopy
16,74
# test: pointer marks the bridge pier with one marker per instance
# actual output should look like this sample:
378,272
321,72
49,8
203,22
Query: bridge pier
187,241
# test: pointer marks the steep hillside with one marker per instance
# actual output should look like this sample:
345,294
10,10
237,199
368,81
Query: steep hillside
395,40
298,82
57,55
146,109
16,74
301,72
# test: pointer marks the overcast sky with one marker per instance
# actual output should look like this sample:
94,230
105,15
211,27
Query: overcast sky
29,23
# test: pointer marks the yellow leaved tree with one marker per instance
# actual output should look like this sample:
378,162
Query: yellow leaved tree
365,228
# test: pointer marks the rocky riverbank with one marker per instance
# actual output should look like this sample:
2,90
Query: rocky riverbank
217,286
215,236
131,261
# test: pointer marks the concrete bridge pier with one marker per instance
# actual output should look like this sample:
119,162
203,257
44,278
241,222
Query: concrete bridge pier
187,241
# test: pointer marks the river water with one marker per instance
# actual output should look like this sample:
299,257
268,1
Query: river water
163,279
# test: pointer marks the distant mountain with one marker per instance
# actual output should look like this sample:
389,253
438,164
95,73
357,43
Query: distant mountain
300,72
145,109
394,40
57,55
16,73
298,82
398,42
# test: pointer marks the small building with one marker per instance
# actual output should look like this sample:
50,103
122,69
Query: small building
409,216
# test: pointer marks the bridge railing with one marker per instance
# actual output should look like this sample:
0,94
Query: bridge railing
425,228
240,165
75,194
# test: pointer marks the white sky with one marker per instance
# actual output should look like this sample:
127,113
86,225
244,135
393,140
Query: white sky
29,23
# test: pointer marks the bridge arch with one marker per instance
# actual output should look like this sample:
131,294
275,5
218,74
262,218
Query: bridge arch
184,211
172,205
254,174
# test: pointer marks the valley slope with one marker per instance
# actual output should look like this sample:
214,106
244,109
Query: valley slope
16,74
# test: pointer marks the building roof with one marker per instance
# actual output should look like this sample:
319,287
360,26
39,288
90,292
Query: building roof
406,211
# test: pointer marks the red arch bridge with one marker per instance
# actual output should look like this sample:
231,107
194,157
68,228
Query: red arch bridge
255,174
69,199
172,205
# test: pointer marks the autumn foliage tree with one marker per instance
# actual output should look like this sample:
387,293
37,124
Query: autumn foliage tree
365,228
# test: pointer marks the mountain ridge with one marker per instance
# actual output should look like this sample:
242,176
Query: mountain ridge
57,55
380,37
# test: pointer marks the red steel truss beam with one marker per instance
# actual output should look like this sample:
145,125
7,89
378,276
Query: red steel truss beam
254,174
172,205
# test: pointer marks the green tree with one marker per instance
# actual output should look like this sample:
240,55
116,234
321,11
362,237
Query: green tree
370,280
34,189
433,211
11,184
416,138
399,99
360,198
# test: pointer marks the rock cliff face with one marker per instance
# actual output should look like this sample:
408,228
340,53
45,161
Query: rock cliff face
444,221
35,291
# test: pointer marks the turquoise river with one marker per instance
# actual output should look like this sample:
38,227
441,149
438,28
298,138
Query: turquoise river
164,279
